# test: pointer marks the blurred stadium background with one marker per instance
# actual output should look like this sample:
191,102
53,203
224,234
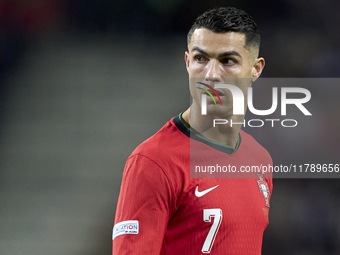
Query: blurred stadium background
82,83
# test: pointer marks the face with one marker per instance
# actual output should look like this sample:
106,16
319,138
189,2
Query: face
220,58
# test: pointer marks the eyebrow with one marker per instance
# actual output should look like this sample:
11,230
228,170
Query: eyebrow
224,54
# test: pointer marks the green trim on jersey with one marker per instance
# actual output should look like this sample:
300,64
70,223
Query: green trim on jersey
202,137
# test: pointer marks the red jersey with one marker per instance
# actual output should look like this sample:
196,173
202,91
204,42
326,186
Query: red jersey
162,210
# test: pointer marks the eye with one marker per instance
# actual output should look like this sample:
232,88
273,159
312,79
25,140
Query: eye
200,58
228,61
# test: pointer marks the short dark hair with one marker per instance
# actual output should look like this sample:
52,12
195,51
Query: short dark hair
228,19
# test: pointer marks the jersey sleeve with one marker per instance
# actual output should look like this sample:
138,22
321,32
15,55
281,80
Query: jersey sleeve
143,208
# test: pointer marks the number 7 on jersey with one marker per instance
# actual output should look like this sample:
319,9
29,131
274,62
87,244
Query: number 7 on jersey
207,215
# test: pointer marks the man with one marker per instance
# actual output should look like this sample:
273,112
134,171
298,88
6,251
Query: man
161,208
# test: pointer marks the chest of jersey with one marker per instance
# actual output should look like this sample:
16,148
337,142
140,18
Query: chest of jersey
219,216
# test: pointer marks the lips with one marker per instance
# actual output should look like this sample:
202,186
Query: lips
212,90
213,93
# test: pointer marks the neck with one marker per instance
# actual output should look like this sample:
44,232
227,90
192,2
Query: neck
226,134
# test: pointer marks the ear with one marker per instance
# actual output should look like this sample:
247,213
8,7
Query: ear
187,61
257,68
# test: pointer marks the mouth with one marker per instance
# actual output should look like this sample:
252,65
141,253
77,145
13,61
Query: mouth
211,90
213,93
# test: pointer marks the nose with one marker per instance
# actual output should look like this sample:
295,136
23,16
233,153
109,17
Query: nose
213,73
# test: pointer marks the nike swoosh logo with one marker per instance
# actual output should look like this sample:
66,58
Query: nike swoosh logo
202,193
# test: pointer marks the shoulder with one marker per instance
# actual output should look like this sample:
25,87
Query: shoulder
162,159
166,154
260,155
253,147
164,146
